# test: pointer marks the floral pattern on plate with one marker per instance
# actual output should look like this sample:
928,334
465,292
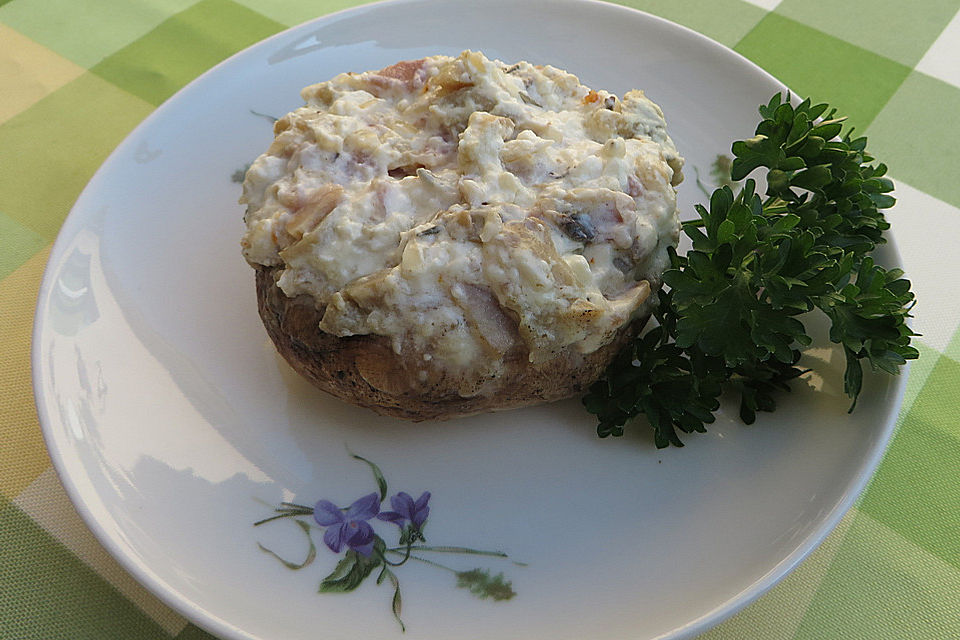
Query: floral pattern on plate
350,530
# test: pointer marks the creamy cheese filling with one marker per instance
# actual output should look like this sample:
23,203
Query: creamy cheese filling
466,209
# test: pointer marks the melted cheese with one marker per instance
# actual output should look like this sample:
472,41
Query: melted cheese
461,206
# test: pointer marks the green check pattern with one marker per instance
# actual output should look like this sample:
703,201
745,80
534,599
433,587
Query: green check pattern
78,75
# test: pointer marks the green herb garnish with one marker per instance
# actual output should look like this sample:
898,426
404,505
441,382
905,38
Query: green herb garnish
730,317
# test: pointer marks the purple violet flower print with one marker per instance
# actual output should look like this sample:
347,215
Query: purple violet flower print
405,508
352,528
348,528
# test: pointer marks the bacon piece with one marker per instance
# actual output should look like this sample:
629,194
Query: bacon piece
405,70
406,75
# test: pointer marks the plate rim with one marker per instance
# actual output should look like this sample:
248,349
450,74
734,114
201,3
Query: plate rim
227,630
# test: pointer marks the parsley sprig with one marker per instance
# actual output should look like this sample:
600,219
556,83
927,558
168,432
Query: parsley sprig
731,316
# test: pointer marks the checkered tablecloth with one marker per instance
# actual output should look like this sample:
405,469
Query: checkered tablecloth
77,75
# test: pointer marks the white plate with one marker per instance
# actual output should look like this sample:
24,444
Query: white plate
173,423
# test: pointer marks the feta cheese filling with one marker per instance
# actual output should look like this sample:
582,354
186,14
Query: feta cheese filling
465,209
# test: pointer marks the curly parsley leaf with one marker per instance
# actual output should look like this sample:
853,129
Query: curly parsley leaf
730,319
